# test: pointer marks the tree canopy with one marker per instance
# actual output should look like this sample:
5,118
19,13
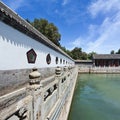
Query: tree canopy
113,52
90,55
78,54
47,29
118,52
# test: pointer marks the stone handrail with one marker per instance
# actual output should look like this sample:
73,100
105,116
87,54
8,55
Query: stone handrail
42,100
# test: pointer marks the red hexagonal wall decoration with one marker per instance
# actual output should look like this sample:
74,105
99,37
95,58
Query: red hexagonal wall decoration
31,56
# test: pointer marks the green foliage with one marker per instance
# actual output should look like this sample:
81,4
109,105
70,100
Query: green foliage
112,52
90,55
47,29
76,53
84,56
118,52
67,51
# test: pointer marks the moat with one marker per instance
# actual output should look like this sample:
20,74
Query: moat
96,97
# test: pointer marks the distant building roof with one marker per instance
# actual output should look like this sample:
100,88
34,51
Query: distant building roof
13,19
83,61
106,56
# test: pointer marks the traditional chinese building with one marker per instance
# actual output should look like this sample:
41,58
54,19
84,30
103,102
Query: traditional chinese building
84,63
106,60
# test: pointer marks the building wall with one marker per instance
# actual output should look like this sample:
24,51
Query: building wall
84,64
14,46
107,63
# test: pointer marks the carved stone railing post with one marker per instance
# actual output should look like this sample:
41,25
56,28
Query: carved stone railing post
35,90
34,77
65,68
58,73
69,69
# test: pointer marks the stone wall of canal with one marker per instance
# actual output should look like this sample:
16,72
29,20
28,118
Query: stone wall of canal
103,70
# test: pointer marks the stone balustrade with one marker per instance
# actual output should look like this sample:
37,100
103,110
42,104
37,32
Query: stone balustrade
42,99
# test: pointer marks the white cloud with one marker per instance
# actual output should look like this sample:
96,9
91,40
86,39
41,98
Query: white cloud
77,42
65,2
108,32
102,38
103,6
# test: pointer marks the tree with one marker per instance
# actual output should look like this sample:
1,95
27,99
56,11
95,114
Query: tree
47,29
112,52
67,51
90,55
84,56
118,52
76,53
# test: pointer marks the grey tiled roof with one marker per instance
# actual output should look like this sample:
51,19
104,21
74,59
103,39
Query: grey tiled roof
83,61
106,56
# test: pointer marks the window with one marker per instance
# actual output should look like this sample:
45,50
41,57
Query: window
31,56
60,61
48,59
63,61
56,60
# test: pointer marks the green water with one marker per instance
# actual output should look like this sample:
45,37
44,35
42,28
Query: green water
96,97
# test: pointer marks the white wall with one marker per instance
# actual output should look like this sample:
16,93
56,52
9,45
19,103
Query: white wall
13,48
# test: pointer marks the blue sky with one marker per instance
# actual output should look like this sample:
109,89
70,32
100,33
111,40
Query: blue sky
93,25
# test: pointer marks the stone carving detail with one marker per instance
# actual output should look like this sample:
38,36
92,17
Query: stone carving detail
34,76
55,86
58,71
65,68
63,79
22,113
50,91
